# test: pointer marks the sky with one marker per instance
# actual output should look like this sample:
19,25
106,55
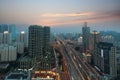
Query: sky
62,15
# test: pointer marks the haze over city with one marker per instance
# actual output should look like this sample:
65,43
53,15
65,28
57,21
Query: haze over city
62,15
59,39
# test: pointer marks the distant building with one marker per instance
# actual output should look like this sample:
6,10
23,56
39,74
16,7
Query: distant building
94,39
6,38
80,39
69,35
105,58
12,31
10,28
1,38
3,27
86,37
7,53
22,37
108,38
77,35
62,35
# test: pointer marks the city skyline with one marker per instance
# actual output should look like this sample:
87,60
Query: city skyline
62,15
60,56
59,39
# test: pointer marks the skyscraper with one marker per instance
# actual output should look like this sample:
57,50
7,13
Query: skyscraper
3,27
22,37
35,41
7,53
86,37
12,30
6,38
1,38
105,58
46,39
113,61
38,45
94,39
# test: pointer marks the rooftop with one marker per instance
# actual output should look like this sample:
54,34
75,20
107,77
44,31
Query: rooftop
18,75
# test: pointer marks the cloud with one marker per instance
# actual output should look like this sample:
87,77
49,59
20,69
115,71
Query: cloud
66,14
98,16
77,18
53,19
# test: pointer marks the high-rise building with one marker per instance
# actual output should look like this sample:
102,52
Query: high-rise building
1,38
35,41
80,39
7,53
6,38
86,37
113,61
39,38
105,58
46,38
118,59
94,39
12,30
3,27
22,37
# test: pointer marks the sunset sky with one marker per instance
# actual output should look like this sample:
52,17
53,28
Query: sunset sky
62,15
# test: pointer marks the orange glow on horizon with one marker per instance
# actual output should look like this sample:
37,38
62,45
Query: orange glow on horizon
73,18
66,14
